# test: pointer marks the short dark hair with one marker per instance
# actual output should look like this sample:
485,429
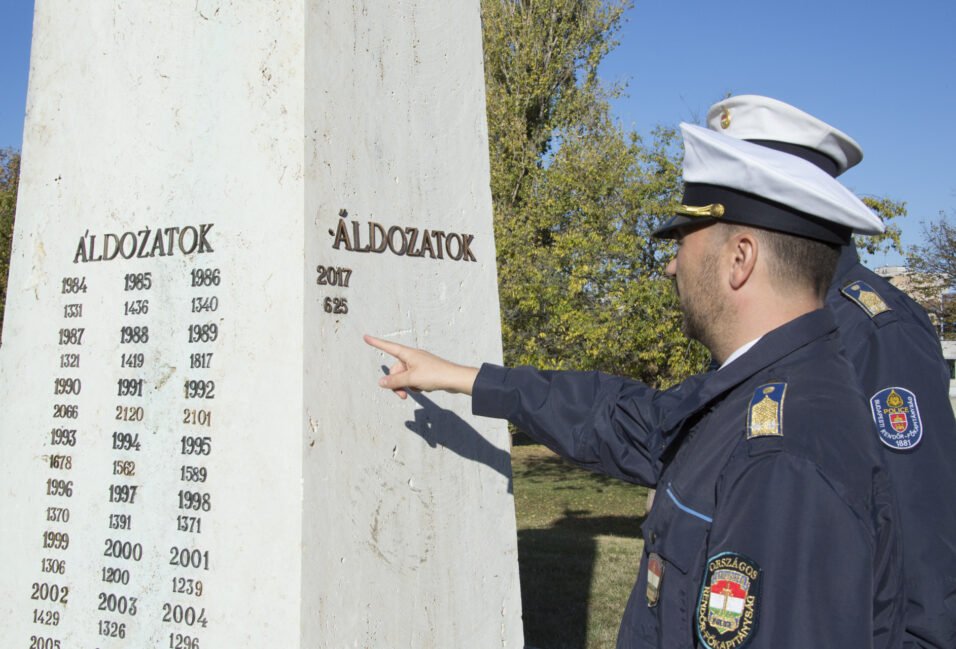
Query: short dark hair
797,261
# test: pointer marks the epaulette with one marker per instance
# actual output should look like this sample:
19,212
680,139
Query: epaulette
863,295
765,416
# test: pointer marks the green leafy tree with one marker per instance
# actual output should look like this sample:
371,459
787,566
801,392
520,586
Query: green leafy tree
581,282
888,209
9,181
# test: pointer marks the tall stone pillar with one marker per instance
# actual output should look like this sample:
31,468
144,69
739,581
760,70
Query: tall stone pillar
217,200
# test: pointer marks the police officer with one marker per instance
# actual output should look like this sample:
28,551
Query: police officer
776,525
899,364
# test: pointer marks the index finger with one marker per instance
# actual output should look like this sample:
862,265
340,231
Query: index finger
386,346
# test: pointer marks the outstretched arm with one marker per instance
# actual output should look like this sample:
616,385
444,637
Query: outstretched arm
419,371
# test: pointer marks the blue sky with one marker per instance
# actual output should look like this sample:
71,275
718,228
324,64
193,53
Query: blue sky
881,71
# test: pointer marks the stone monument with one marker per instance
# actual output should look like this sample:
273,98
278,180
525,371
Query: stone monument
217,200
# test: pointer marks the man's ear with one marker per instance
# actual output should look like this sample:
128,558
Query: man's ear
743,248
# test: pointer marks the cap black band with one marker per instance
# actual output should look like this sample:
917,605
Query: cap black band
748,209
821,160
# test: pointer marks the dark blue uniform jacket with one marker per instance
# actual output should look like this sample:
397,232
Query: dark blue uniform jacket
774,525
892,345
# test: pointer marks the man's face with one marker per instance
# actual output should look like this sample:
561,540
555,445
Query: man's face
694,269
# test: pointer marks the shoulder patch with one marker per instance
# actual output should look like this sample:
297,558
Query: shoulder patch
729,601
897,418
861,294
765,416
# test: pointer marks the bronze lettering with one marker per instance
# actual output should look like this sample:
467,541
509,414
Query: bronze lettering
93,249
374,228
204,246
122,245
465,250
357,240
426,243
195,242
142,246
438,234
400,240
107,255
391,232
341,235
453,237
157,245
171,233
413,233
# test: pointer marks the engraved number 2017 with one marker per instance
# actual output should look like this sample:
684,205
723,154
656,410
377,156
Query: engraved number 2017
332,276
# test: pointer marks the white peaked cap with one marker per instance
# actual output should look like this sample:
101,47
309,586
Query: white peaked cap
759,186
752,117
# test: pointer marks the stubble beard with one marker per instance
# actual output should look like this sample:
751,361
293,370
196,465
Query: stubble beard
700,304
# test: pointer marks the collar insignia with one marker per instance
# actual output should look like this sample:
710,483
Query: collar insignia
729,601
897,418
766,410
865,298
655,572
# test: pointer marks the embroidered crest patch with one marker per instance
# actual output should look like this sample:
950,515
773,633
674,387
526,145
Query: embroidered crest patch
897,418
655,572
766,410
729,601
865,298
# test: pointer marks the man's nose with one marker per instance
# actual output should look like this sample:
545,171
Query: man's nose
671,269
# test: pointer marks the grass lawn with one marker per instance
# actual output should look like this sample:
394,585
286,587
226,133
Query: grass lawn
579,549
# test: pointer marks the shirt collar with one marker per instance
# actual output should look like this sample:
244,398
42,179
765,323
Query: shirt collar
740,351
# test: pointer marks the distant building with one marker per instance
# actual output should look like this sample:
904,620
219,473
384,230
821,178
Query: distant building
949,353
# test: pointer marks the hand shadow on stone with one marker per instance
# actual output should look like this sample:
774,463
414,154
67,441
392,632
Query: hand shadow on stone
441,427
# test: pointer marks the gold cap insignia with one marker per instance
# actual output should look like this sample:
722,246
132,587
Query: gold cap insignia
725,119
714,211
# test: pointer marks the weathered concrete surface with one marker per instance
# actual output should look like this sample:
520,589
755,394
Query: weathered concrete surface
332,514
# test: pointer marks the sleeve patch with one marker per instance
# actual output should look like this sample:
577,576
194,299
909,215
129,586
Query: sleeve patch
897,418
861,294
765,416
729,602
